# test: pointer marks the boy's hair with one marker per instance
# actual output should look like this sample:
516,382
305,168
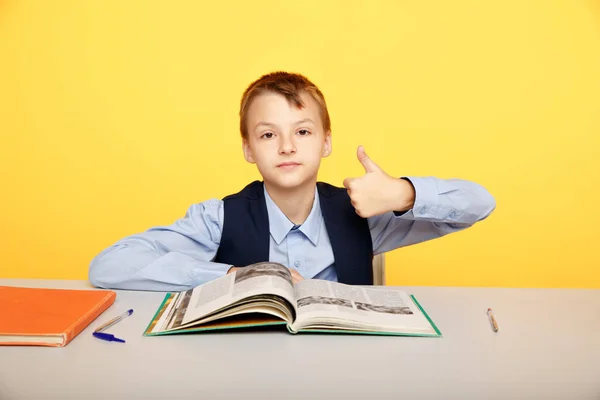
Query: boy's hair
290,85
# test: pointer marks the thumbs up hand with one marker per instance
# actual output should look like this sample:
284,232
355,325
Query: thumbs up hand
376,192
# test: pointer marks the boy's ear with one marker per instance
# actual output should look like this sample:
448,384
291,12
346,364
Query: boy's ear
247,151
327,145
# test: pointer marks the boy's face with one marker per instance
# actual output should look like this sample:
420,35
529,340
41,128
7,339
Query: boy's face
285,142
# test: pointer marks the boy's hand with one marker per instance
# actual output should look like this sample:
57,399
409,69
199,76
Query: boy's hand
376,192
296,277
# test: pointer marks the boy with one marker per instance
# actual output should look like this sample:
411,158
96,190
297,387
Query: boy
317,230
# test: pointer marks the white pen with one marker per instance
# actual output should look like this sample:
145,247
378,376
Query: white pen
114,321
492,320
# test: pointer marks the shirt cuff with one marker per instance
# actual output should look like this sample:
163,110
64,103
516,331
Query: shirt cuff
425,199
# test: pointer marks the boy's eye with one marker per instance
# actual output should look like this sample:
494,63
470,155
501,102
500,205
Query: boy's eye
303,132
267,135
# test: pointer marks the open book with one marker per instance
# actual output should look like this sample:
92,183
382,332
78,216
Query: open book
263,294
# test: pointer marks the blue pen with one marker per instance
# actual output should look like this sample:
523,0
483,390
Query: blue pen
107,336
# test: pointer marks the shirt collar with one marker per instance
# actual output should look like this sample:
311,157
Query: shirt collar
280,225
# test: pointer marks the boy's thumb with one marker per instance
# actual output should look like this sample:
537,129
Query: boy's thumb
366,162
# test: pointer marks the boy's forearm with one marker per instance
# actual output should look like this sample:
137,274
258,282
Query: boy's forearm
448,200
440,207
144,269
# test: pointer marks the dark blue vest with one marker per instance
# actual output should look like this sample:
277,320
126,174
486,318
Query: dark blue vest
245,235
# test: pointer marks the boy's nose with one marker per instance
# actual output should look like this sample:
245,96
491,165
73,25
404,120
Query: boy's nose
287,146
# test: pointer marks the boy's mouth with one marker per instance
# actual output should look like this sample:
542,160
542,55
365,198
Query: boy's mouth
288,165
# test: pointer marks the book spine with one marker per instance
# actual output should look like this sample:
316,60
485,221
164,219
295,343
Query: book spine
79,325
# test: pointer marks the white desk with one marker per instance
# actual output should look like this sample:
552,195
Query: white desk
548,347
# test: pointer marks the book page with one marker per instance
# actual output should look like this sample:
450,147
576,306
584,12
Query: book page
335,304
256,279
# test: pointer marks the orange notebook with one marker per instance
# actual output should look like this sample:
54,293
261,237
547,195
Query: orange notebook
48,317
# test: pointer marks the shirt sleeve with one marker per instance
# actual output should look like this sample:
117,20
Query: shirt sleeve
442,206
165,258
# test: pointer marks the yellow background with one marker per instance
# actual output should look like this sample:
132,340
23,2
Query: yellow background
116,115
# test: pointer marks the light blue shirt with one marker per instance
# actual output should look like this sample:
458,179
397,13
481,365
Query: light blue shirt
179,256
